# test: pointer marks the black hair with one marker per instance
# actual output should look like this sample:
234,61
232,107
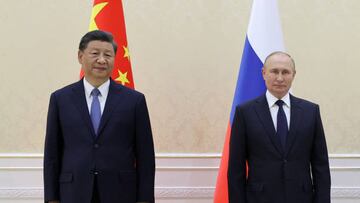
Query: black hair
97,35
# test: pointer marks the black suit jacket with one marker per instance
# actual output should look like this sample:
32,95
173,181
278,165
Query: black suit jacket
297,174
121,156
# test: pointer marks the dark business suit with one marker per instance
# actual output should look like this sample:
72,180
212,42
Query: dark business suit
121,156
275,174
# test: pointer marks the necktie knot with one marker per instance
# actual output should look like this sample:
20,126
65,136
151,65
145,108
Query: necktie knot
95,92
280,103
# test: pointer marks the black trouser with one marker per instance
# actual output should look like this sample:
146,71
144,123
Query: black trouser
95,196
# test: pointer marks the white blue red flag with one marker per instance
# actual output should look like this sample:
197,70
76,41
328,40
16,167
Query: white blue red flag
264,36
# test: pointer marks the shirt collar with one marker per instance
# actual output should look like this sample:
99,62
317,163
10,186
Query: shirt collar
271,99
103,88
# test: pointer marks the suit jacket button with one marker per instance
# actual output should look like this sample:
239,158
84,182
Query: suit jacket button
285,161
96,173
96,145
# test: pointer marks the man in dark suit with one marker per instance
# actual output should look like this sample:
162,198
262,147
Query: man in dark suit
281,140
98,145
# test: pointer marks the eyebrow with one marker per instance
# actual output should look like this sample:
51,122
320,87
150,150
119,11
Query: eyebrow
98,49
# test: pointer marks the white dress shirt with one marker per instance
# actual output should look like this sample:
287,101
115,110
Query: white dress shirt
271,99
104,90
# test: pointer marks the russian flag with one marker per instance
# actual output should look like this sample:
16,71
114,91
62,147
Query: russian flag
264,36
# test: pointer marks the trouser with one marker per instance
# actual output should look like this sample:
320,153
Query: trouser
95,196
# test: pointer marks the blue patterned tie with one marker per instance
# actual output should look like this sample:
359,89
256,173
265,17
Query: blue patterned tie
95,112
282,126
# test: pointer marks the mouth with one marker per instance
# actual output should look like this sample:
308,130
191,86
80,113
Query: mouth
99,68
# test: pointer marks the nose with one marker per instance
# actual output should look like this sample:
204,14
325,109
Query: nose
101,59
280,77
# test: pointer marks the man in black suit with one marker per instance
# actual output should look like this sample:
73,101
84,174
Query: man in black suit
278,152
98,145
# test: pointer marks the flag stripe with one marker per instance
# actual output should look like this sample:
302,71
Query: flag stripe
250,82
264,36
264,31
221,190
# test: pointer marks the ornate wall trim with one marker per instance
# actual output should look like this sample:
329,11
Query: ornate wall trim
189,177
165,193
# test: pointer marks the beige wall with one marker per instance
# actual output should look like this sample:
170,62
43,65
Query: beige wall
185,58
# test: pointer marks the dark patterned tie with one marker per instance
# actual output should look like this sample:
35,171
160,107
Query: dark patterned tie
95,112
282,126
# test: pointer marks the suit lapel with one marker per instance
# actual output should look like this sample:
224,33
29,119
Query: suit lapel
110,105
295,117
80,102
263,112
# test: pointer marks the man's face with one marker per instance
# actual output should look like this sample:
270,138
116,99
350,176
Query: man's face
97,60
278,73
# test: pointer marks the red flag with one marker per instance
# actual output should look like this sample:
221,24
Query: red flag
108,15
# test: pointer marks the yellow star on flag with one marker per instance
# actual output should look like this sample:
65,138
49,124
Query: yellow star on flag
95,11
122,78
126,53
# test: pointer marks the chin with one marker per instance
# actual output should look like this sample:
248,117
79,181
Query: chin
101,77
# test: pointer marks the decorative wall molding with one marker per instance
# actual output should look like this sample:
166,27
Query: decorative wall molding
165,193
183,168
180,177
168,155
346,192
184,193
21,193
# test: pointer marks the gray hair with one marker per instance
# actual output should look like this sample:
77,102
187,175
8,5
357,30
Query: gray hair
281,53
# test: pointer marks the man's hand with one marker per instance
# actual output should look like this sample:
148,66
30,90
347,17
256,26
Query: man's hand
55,201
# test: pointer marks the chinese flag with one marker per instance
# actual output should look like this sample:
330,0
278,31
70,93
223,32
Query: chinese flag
108,15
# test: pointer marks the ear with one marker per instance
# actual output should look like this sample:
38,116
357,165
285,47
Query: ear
263,71
80,55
